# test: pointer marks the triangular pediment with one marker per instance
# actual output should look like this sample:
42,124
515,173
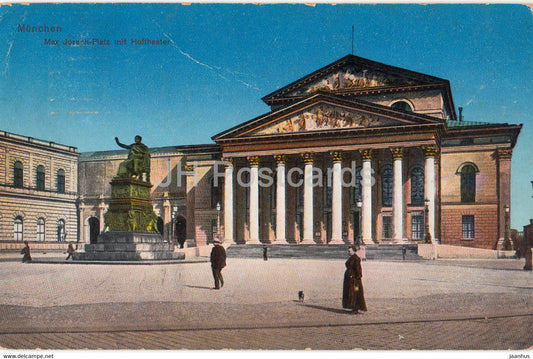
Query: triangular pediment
324,113
322,117
351,77
352,74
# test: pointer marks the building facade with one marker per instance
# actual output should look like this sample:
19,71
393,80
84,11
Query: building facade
355,151
38,192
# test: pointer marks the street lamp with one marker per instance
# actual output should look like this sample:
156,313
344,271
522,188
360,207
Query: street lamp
218,221
360,235
427,236
506,241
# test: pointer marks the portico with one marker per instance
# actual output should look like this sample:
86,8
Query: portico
311,197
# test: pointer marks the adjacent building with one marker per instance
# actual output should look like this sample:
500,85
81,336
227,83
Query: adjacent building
38,192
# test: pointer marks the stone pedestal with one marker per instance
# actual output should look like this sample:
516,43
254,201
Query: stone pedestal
129,246
130,232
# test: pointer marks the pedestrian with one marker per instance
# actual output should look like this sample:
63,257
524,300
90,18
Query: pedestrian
218,261
352,292
265,253
70,251
26,252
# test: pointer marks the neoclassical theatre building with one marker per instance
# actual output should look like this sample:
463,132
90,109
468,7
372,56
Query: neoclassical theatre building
355,150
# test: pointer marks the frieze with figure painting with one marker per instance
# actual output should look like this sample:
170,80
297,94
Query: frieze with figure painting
324,117
351,78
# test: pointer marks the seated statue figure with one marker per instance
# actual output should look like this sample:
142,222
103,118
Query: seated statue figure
138,161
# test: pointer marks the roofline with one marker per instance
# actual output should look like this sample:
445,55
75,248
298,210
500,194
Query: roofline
345,60
485,127
39,143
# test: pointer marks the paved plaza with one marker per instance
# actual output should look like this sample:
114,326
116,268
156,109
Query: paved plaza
423,305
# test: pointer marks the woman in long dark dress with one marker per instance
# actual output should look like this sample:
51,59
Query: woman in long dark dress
352,292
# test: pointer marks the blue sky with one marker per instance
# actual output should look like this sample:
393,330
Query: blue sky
222,58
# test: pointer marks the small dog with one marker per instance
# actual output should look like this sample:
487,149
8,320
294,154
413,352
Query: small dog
301,296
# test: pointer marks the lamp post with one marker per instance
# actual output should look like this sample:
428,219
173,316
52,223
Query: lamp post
506,242
360,234
218,221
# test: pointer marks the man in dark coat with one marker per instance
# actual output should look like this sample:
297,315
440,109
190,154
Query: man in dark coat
26,252
70,251
352,292
218,261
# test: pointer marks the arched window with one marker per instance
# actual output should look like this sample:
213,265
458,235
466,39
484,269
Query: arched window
468,183
402,106
18,175
61,231
18,229
60,181
387,185
40,178
417,186
40,230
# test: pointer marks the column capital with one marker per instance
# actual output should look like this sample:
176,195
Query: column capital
504,153
336,156
308,157
366,155
397,153
430,150
253,161
280,159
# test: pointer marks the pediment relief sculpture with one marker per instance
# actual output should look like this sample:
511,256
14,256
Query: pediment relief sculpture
323,117
351,78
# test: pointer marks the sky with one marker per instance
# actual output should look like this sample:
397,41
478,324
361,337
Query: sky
221,59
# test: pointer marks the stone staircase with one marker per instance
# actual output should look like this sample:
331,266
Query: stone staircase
330,251
129,246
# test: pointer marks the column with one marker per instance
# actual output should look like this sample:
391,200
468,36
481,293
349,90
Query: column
281,160
81,216
101,209
397,199
228,200
336,205
430,151
504,192
254,200
366,183
308,198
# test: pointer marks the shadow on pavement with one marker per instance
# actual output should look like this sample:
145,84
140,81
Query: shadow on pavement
199,287
333,310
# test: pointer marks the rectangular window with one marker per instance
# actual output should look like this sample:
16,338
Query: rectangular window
417,226
387,227
468,227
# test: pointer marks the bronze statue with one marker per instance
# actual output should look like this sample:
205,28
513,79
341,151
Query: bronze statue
138,161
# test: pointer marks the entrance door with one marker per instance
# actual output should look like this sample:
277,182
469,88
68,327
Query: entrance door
181,230
94,229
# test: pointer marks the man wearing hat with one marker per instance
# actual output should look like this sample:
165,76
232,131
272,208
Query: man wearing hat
218,261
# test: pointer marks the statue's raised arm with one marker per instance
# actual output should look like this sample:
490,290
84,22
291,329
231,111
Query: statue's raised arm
138,162
122,145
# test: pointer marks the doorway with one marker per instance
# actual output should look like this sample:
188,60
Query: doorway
181,230
94,229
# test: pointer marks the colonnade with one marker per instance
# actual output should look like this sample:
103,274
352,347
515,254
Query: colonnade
398,205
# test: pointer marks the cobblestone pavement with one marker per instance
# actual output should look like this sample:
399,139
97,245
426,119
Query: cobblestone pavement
424,305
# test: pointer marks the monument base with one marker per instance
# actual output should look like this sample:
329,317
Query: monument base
129,246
